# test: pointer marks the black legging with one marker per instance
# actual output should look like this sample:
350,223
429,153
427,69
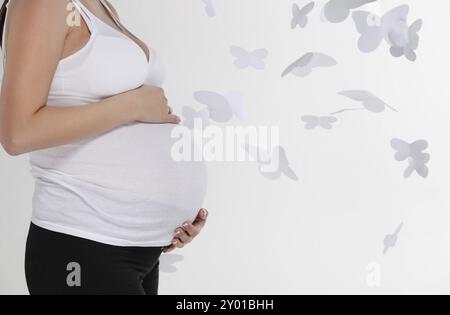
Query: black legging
60,264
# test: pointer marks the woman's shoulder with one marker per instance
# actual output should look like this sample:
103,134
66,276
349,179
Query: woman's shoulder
26,14
50,13
37,27
39,6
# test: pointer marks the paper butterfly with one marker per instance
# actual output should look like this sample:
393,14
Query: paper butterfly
300,16
390,241
222,108
245,59
370,102
191,115
325,122
305,65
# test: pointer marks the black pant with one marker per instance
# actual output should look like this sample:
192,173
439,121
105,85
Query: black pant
60,264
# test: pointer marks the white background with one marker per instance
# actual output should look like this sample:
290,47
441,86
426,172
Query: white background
319,234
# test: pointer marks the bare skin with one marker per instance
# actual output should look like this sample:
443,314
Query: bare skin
37,37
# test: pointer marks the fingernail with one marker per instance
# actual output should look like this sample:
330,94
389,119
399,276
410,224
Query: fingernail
177,232
186,225
174,242
204,212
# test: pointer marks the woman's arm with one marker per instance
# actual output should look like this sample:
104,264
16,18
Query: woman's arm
35,37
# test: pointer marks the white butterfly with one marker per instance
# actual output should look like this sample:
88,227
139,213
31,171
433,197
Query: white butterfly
305,65
211,7
325,122
374,29
191,116
337,11
300,16
222,108
413,153
390,241
402,46
407,150
245,59
370,102
267,160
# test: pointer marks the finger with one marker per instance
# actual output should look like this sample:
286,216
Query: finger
177,243
169,249
183,236
200,221
191,229
172,119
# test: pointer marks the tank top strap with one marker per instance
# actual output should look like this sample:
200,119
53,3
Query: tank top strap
85,14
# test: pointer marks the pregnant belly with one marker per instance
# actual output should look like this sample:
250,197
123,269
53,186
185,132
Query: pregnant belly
128,180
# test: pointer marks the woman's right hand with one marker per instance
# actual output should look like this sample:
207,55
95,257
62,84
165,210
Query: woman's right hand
150,105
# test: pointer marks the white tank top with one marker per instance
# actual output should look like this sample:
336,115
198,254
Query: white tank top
120,188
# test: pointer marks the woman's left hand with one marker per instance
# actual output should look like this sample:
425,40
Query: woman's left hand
187,232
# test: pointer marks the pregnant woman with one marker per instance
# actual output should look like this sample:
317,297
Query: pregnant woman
82,95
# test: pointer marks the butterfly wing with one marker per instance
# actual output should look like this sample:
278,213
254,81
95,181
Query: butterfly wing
204,116
368,100
410,54
307,9
414,39
303,14
356,95
192,115
284,165
256,58
423,158
302,62
326,122
396,19
218,107
296,16
322,60
419,166
188,114
423,170
408,172
241,57
416,26
374,105
403,149
396,49
210,7
417,149
310,121
336,11
371,35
